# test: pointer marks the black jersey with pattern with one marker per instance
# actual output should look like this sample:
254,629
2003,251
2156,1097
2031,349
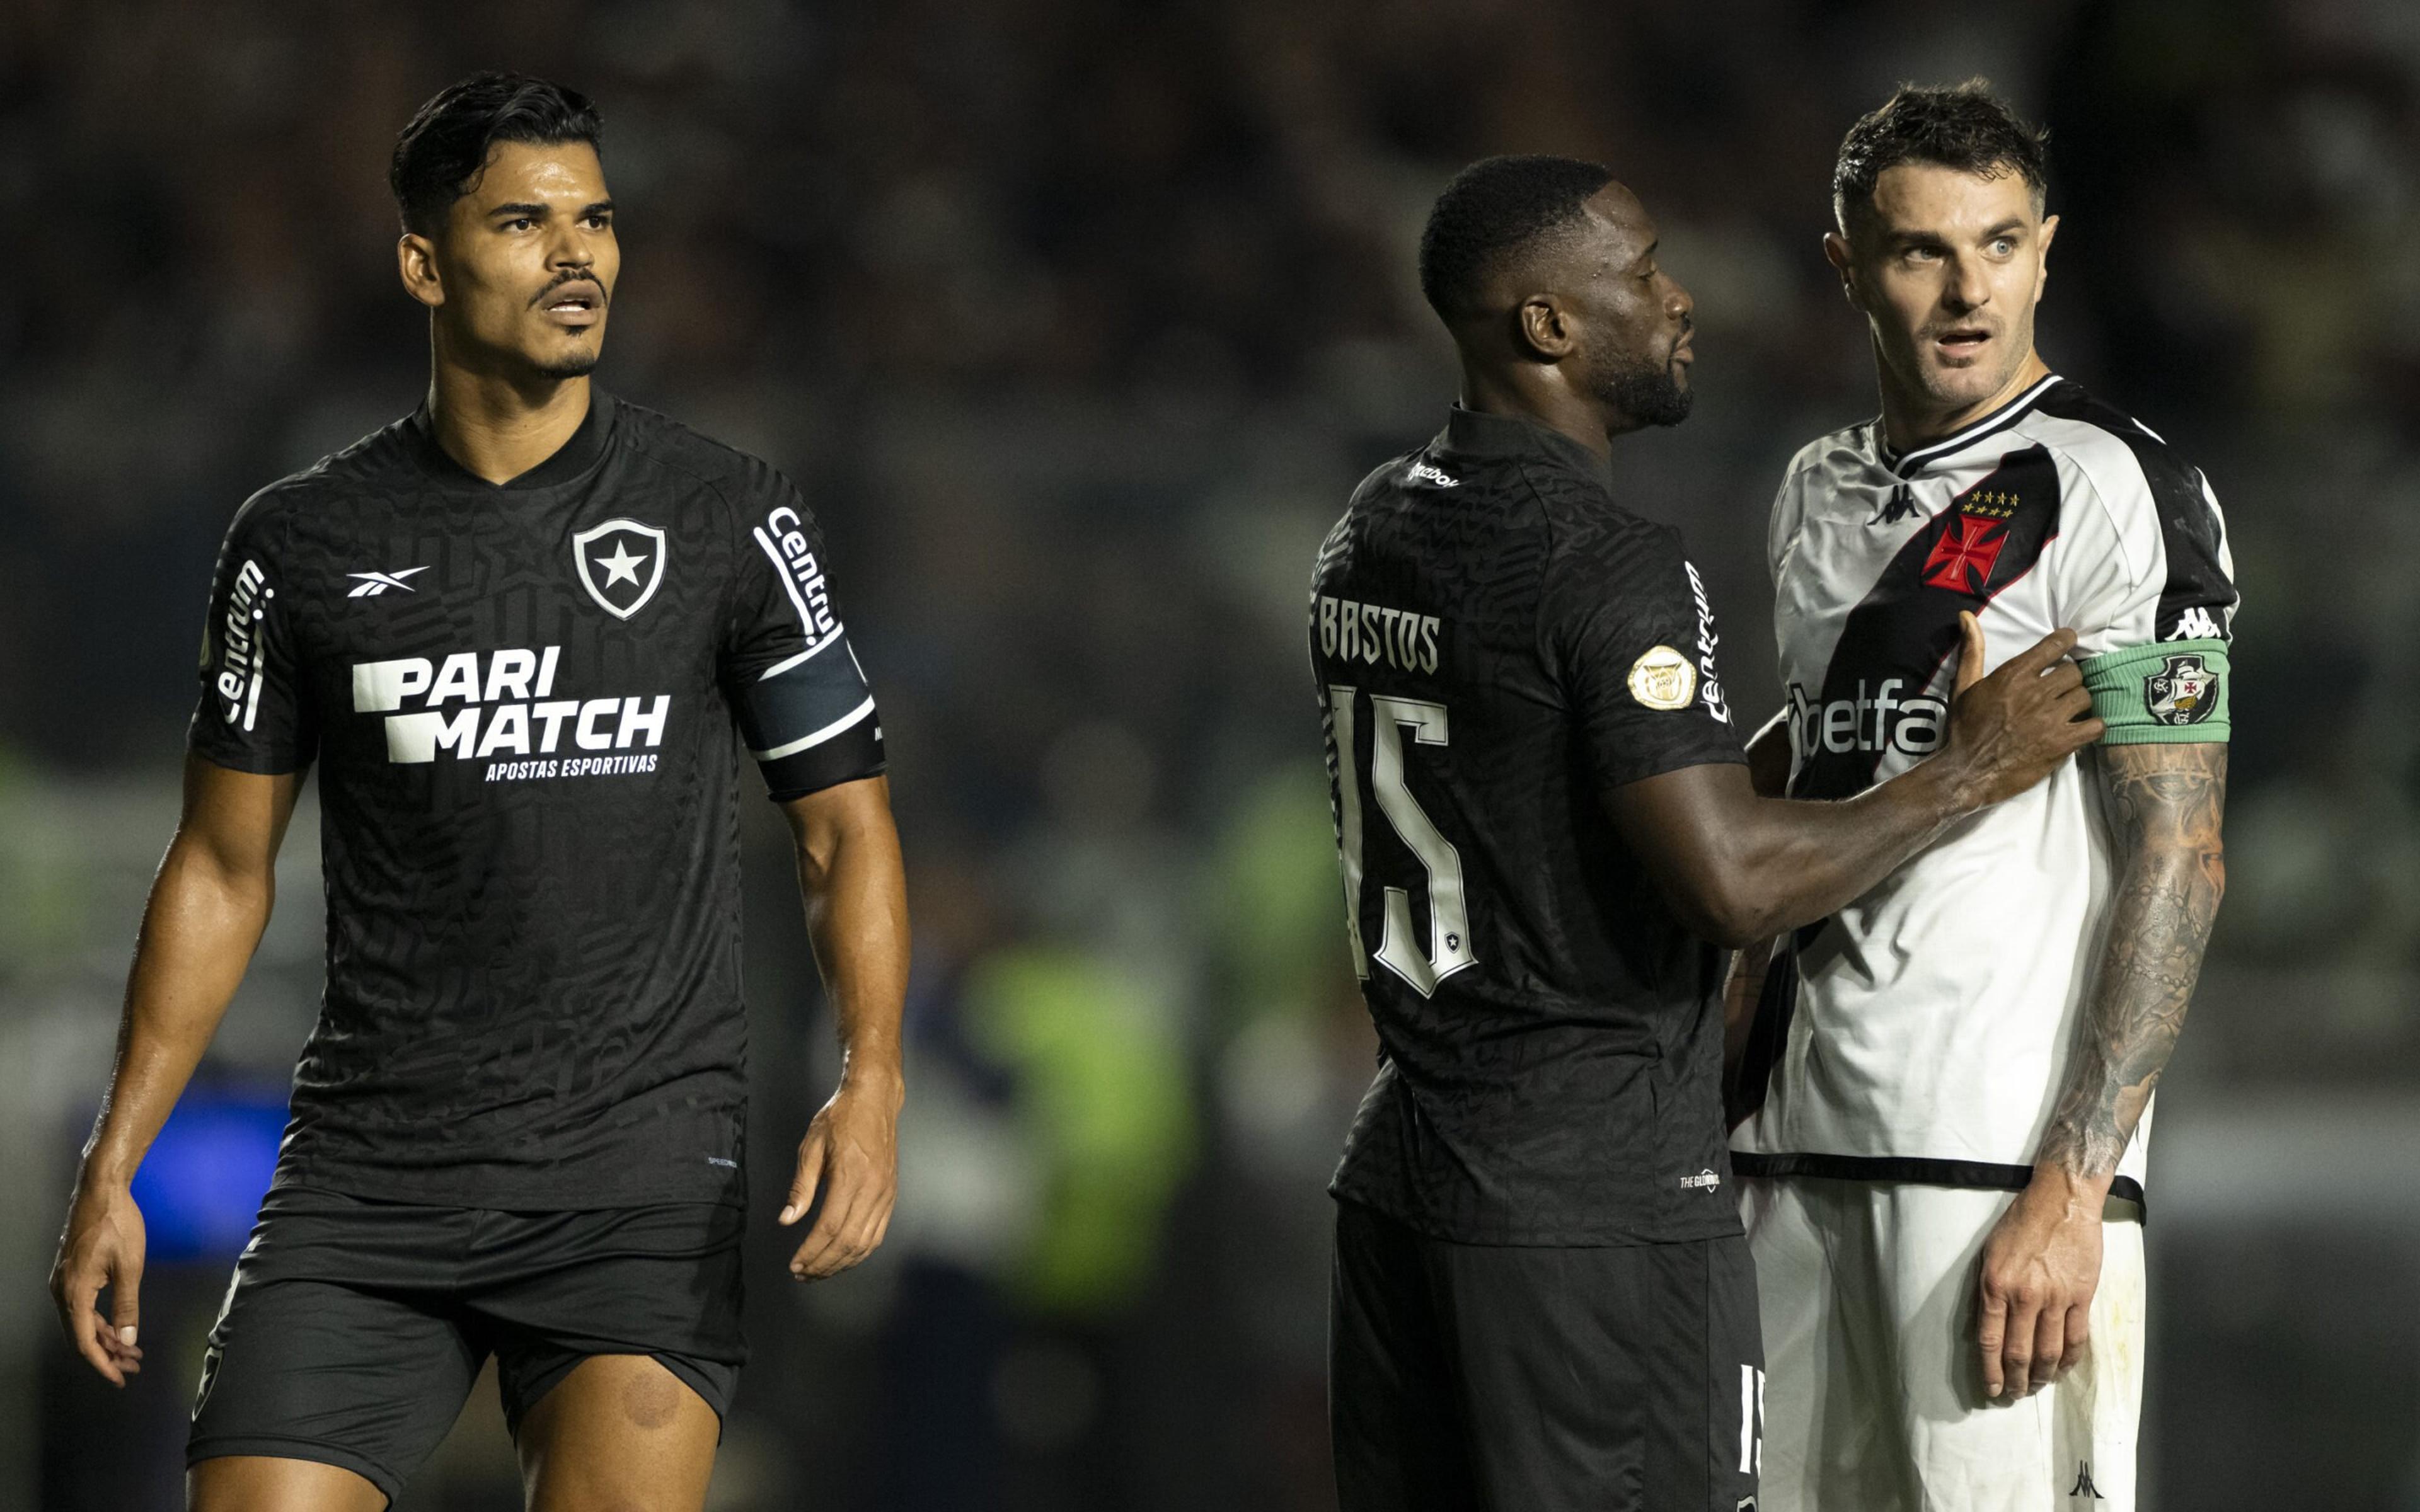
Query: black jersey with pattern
526,703
1497,643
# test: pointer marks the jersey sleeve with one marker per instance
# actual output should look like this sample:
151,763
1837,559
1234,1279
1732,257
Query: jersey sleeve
2149,588
1631,637
791,678
255,711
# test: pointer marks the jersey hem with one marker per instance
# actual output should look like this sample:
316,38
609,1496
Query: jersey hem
1920,1170
719,1187
1429,1227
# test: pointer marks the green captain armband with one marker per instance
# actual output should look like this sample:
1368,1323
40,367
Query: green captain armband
2171,692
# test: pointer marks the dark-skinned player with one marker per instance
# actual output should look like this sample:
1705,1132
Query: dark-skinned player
1541,1296
524,635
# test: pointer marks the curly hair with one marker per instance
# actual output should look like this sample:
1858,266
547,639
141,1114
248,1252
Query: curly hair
1964,126
442,153
1494,209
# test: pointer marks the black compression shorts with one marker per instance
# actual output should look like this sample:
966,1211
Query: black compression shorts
354,1328
1479,1377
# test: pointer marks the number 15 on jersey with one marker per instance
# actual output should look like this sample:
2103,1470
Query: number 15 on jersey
1422,964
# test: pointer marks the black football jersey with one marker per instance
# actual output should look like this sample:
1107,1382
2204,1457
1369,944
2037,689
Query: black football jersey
1497,643
526,703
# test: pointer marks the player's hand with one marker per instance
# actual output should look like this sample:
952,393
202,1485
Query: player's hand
103,1246
2009,731
2041,1264
851,1154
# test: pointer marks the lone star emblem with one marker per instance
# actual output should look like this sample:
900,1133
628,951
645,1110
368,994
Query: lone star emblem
633,570
621,567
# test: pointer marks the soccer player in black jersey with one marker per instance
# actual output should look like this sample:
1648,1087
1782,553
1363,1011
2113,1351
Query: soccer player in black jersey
524,633
1541,1297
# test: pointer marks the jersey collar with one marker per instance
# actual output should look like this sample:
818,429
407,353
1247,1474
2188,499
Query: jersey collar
1909,463
572,459
1475,433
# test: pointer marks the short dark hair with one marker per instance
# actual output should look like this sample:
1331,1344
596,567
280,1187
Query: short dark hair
442,153
1492,209
1963,126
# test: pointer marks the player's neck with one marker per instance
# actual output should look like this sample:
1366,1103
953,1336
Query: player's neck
1559,410
498,429
1911,419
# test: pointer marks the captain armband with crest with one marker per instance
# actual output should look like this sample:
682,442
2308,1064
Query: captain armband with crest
2170,691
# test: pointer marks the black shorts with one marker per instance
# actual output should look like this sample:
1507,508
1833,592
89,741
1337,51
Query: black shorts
353,1329
1515,1379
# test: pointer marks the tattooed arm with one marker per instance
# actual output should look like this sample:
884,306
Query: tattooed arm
2042,1261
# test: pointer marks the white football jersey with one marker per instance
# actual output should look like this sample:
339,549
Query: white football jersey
1922,1034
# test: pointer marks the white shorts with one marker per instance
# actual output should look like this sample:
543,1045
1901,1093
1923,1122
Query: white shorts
1873,1394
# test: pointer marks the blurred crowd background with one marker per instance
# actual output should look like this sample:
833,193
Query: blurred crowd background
1076,320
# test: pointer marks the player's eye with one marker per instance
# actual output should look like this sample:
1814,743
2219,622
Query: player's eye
519,223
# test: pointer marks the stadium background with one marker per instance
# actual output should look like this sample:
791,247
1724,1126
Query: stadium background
1077,321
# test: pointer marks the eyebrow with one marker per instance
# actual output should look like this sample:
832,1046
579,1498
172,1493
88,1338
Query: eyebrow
539,212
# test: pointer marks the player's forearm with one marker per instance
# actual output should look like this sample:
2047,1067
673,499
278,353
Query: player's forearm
855,890
1797,861
2166,805
200,930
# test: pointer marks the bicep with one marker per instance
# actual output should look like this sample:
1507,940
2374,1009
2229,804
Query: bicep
1682,825
1768,757
823,821
234,820
2167,796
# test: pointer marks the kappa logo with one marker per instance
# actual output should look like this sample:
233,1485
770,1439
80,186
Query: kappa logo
2084,1485
2183,691
621,564
2197,623
374,583
1427,472
1900,505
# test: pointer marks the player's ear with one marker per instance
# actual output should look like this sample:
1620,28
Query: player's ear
1835,252
2042,259
1541,329
415,258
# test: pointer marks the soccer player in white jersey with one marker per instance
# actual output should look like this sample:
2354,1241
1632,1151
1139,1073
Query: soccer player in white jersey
1947,1087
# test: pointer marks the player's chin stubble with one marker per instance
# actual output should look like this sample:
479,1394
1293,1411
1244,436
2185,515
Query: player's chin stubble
570,367
1647,392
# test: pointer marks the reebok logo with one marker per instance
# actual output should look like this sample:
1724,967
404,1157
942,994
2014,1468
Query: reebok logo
1424,472
374,583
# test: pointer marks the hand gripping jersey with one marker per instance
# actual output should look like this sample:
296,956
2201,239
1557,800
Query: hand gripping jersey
527,705
1496,642
1922,1033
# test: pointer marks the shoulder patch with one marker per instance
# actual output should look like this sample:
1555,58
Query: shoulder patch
1662,678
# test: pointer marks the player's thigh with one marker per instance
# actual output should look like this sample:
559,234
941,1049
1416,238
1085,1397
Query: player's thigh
1830,1349
1609,1379
1966,1452
2097,1404
619,1432
258,1483
328,1351
1393,1405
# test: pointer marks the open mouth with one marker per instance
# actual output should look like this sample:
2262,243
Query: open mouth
577,303
1960,343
